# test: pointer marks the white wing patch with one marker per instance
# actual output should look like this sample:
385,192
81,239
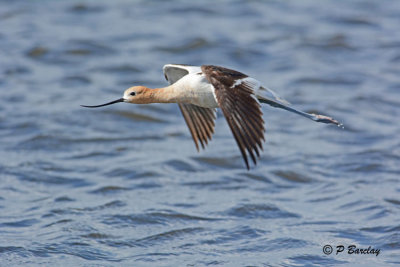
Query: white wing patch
174,72
248,82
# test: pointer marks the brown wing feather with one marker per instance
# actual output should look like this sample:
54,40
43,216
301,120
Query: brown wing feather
200,122
240,108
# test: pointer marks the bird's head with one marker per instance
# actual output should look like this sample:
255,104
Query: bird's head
137,95
134,95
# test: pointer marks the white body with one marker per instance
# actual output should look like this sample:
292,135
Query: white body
196,90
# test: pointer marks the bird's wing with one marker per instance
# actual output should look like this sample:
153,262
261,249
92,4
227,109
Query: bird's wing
240,107
173,72
199,120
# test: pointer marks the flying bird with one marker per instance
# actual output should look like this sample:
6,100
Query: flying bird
200,90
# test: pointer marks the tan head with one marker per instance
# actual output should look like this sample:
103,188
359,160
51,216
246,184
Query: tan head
134,95
137,95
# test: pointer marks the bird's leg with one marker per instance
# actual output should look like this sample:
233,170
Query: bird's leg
314,117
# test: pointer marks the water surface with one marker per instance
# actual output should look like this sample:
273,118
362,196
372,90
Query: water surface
124,186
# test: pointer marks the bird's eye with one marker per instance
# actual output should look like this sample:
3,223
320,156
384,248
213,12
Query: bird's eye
133,93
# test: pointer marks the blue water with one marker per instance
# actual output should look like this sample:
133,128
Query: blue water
124,186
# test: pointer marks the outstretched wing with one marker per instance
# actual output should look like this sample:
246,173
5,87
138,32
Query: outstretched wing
199,120
240,107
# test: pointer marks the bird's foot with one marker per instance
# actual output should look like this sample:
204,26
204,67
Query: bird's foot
326,119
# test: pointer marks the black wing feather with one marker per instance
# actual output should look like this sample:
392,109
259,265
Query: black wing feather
240,108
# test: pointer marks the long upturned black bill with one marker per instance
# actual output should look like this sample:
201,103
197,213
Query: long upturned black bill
106,104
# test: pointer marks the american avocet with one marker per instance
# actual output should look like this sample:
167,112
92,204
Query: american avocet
200,90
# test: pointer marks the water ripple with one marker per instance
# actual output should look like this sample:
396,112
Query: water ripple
153,218
264,211
124,185
22,223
